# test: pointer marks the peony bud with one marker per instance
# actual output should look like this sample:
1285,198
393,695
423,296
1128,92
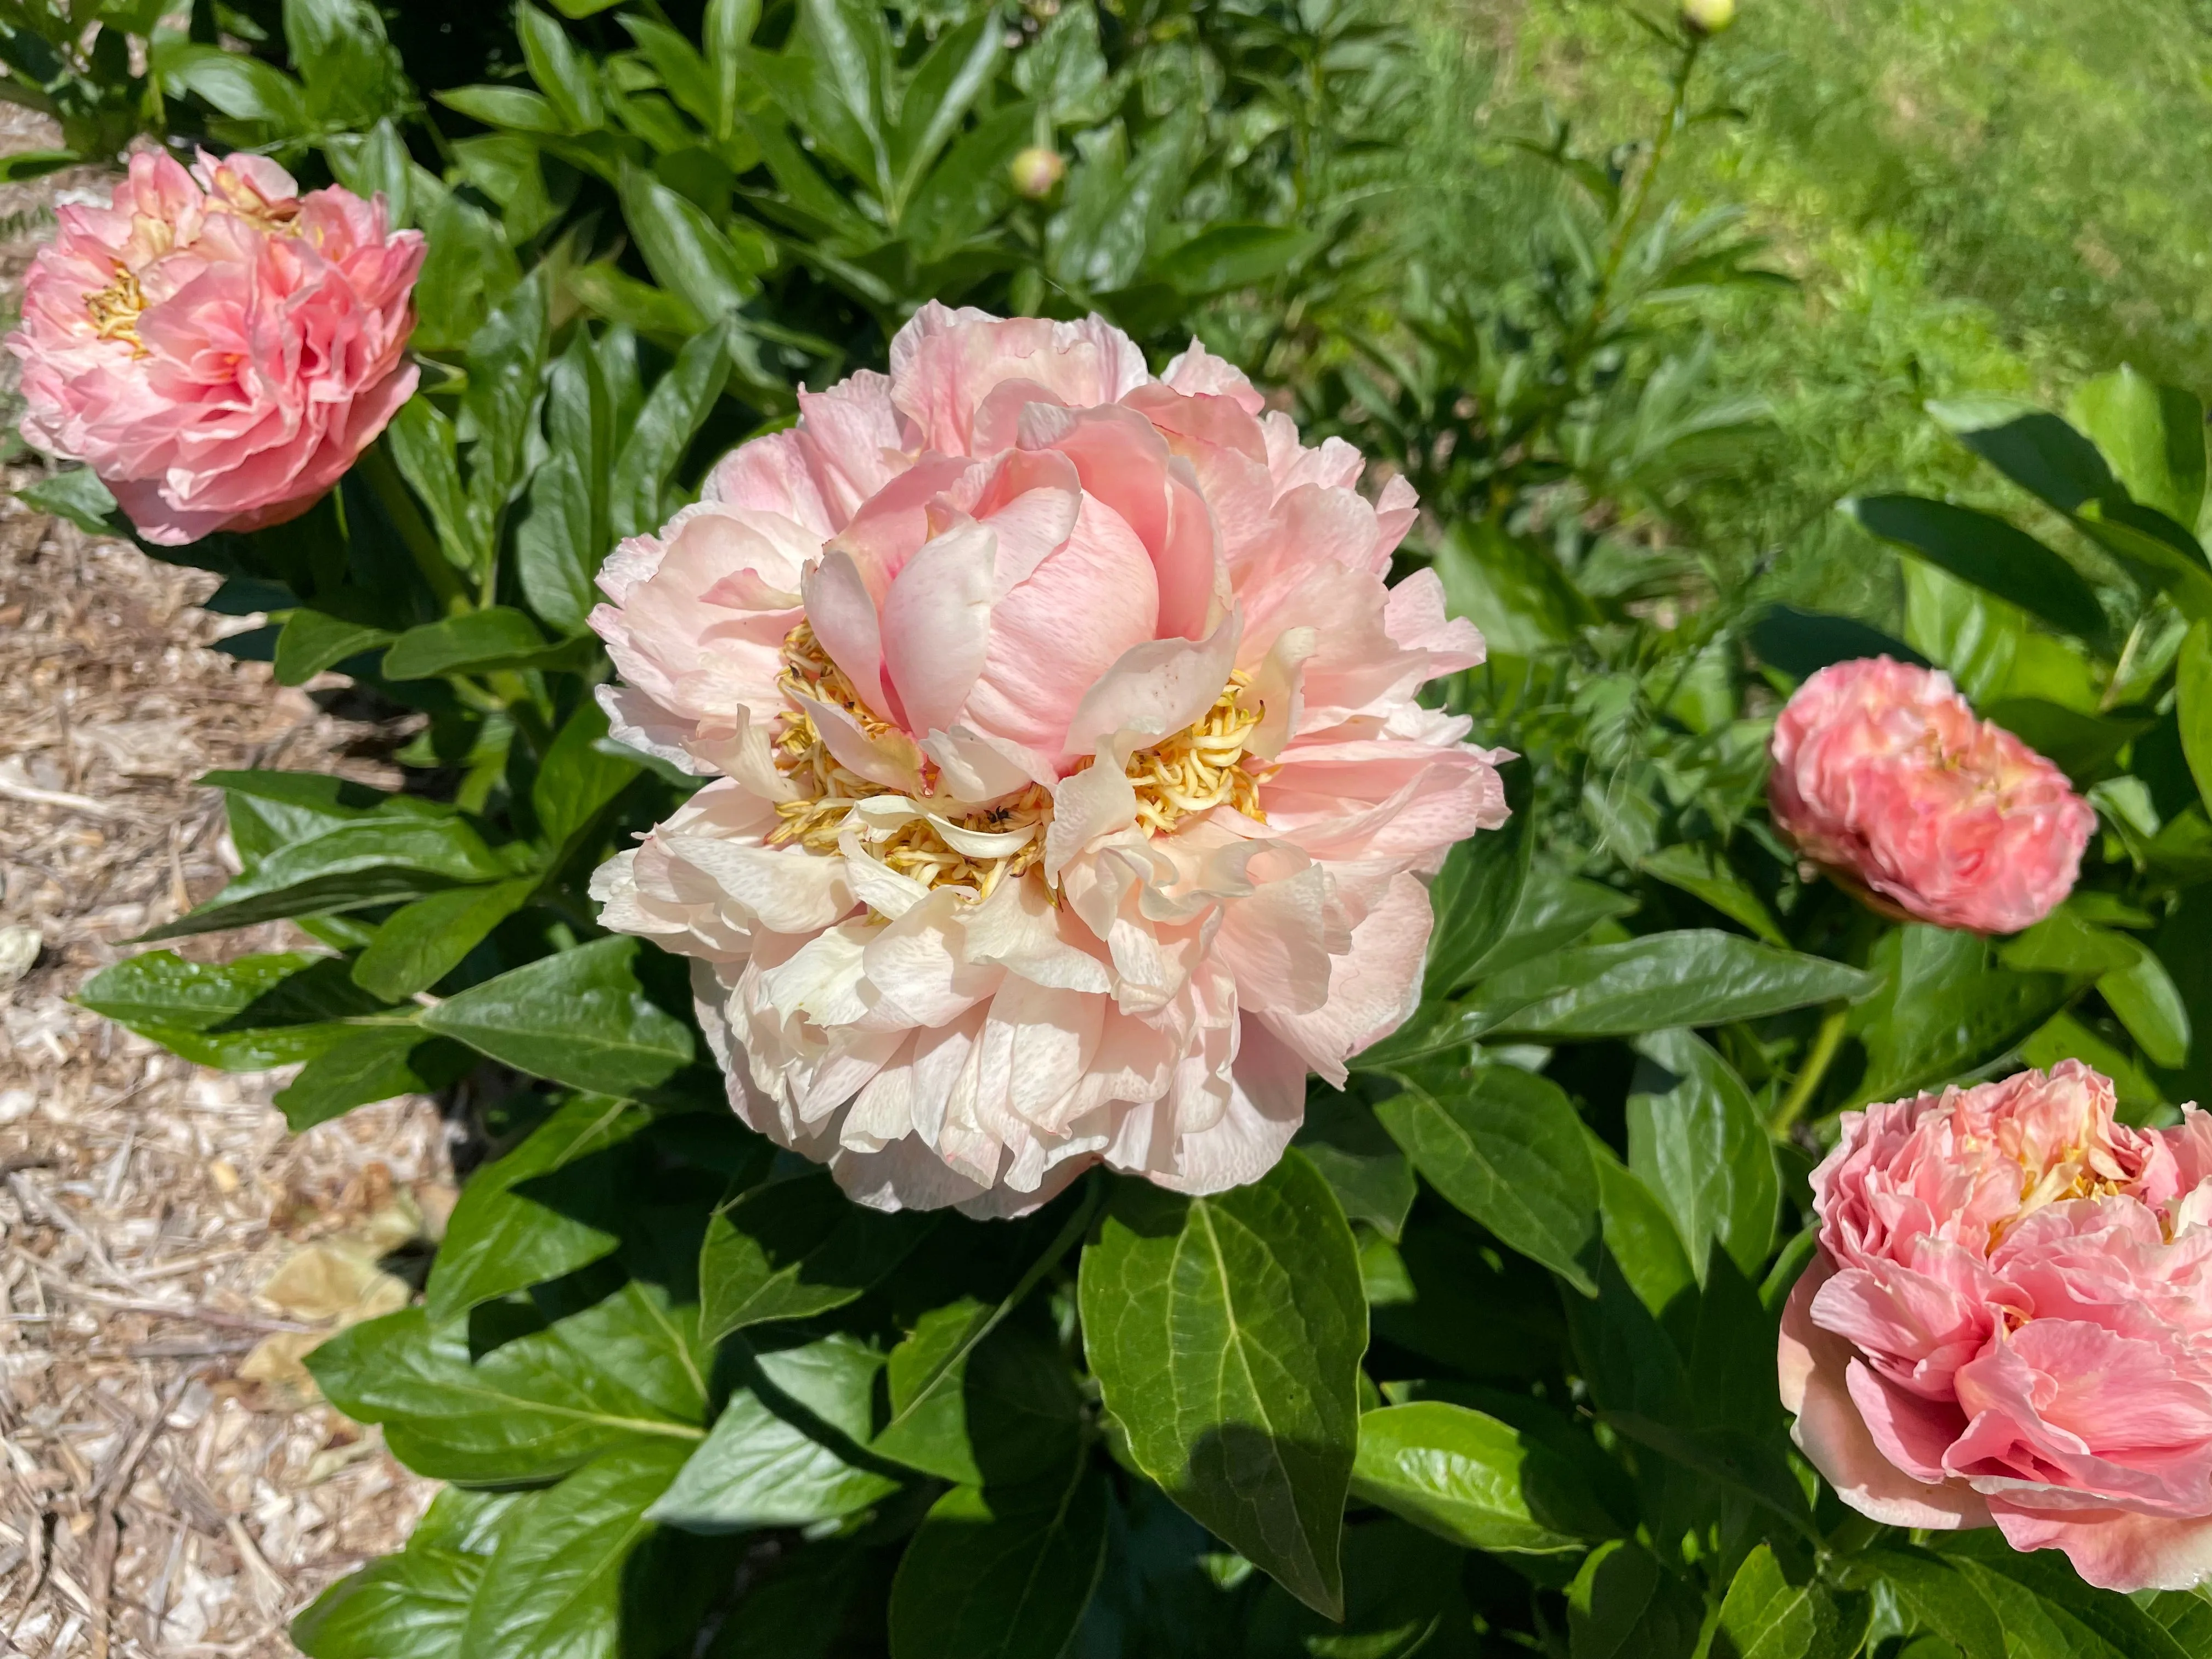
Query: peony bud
215,346
1707,16
1037,173
1883,777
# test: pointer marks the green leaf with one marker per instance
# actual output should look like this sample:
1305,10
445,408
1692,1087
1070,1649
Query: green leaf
312,641
578,776
2105,1616
371,1063
244,1016
1694,977
236,84
672,416
1946,1007
969,188
555,553
349,867
421,943
1765,1616
2153,436
518,109
424,448
1001,1573
789,1461
996,1412
1471,1479
1476,893
1506,1147
1622,1604
1802,642
472,642
500,1239
682,70
352,76
1704,872
507,370
1224,257
795,1248
578,1018
1940,1598
469,269
25,164
77,495
1509,588
1363,1166
564,74
2146,1000
1696,1140
945,87
624,1372
413,1605
687,251
554,1588
2193,687
1990,554
1226,1331
848,49
1640,1238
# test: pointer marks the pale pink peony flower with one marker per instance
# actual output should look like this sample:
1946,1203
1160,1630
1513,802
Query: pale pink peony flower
217,347
2009,1322
1883,777
1072,798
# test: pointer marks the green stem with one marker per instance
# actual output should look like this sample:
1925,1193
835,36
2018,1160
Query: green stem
383,477
1826,1041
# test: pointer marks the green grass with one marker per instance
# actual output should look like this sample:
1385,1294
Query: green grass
1974,195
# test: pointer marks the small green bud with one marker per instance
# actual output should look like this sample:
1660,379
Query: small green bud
1037,173
1707,16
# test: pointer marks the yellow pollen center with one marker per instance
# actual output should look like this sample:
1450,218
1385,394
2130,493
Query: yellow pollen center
1192,771
115,309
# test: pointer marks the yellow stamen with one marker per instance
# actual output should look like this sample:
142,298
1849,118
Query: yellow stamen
1192,771
115,309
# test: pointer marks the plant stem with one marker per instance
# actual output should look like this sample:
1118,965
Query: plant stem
383,477
1826,1041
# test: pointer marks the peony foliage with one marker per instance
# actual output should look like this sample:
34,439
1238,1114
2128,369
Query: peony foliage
1342,1040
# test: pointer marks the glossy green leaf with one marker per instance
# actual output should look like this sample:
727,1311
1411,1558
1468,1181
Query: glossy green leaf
998,1412
312,641
423,447
1471,1479
2193,686
1623,1605
2104,1616
507,1233
421,943
578,776
368,1064
624,1370
1224,257
1940,1597
2144,997
1476,894
554,1588
1947,1006
1506,1147
1800,643
564,74
1641,1237
686,251
578,1018
970,186
1356,1156
663,429
237,84
246,1015
1765,1616
472,642
952,75
797,1248
1990,553
1226,1333
1002,1573
1697,1142
413,1605
2153,436
790,1459
554,550
516,108
349,867
1704,872
506,373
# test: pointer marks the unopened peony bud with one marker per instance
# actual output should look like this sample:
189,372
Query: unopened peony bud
1037,173
1707,16
1884,778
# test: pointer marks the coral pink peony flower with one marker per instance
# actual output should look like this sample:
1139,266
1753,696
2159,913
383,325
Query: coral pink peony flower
1073,798
1883,776
2009,1320
215,346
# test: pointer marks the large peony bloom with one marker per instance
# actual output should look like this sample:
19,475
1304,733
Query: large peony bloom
1071,799
2009,1320
1883,776
217,347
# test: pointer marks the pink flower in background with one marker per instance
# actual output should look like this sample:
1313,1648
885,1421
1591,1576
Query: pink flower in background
1883,777
2010,1323
217,347
1071,799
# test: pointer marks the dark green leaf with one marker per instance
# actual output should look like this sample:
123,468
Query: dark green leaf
1622,1604
946,83
578,776
554,1588
380,860
795,1248
995,1413
1469,1477
2193,687
1943,1599
25,164
368,1064
413,1605
474,641
1226,1333
1765,1616
1223,257
1476,893
578,1018
1505,1147
420,943
2109,1617
501,1239
624,1372
1004,1573
424,448
507,368
1990,554
970,186
555,553
1641,1237
246,1015
687,251
1358,1158
567,77
1946,1007
1704,872
314,640
663,429
1696,1140
1802,642
237,84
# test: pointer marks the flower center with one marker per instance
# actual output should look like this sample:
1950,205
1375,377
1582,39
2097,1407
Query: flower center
1192,771
115,309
